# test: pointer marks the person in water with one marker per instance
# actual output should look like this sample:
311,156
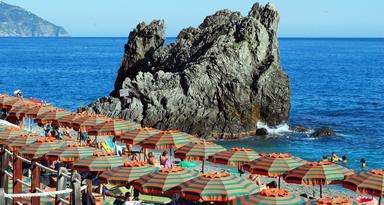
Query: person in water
335,158
363,164
325,158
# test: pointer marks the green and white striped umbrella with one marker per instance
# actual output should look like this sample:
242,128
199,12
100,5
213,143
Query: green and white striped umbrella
70,153
270,197
170,139
41,147
99,162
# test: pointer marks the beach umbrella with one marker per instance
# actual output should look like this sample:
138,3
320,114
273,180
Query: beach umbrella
163,180
169,139
99,162
70,153
273,164
41,147
215,187
318,173
334,200
138,135
10,132
20,110
234,156
114,127
88,121
371,182
198,151
21,141
68,119
125,174
271,197
33,112
52,116
8,101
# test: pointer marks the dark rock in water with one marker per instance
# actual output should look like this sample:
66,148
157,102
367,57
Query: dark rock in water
298,128
17,22
220,78
324,131
261,132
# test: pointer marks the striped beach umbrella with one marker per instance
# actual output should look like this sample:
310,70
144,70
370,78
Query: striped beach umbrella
216,187
11,132
138,135
99,162
20,110
334,200
41,147
70,153
198,151
114,127
52,116
273,164
21,141
38,110
318,173
87,122
371,182
8,101
162,181
169,139
68,119
270,197
125,174
234,156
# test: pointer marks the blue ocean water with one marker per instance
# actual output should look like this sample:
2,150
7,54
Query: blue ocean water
335,82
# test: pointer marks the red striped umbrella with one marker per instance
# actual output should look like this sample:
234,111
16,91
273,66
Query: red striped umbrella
52,116
68,119
125,174
234,156
273,164
162,181
318,173
170,139
271,197
113,127
21,141
41,147
334,200
216,187
99,162
20,110
11,132
38,111
371,182
198,151
70,153
88,122
137,136
7,102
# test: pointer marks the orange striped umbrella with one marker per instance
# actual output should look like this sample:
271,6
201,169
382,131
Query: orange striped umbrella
234,156
52,116
170,139
21,141
273,164
125,174
11,132
70,153
41,147
38,111
68,119
137,136
113,127
162,181
334,200
198,151
216,187
99,162
271,197
88,122
371,182
8,101
20,110
318,173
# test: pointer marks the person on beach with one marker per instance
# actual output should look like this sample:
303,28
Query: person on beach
18,93
344,160
335,158
164,158
47,129
151,160
134,157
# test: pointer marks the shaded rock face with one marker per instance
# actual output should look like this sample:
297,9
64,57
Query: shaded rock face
220,78
324,132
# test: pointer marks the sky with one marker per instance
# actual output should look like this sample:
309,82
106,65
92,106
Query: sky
299,18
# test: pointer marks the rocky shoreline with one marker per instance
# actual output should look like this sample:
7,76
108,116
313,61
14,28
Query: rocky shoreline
216,81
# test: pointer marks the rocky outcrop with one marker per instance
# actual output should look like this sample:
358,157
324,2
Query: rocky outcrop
17,22
219,79
324,132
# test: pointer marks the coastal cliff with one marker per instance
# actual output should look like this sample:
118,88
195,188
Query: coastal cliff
218,79
17,22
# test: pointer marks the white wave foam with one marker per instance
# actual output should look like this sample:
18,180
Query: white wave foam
277,130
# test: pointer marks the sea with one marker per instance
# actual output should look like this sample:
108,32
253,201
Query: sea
336,82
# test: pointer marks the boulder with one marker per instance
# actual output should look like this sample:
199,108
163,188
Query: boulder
219,78
323,132
261,132
298,128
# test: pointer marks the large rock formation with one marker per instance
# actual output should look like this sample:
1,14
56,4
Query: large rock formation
220,78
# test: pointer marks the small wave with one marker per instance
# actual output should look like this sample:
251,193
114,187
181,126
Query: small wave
277,130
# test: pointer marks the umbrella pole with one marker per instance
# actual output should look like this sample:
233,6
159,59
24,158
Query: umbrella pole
313,191
380,200
202,166
321,191
279,184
